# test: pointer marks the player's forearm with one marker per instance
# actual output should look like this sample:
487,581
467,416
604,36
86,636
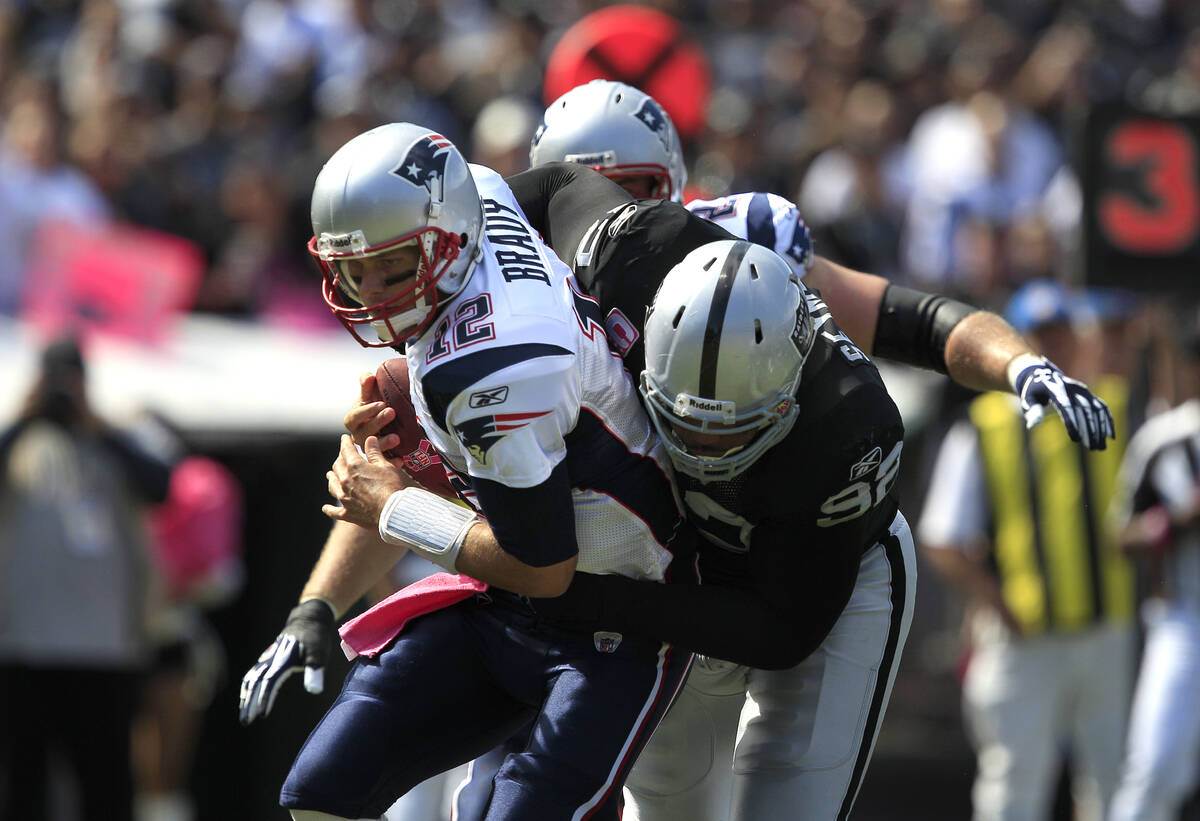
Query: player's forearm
980,349
484,559
972,346
351,562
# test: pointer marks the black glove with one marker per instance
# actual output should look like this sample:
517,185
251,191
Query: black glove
1086,417
304,643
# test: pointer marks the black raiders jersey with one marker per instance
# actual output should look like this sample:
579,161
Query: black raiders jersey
817,500
782,541
619,248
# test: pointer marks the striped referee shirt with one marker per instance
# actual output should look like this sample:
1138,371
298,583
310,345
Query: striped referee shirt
1162,467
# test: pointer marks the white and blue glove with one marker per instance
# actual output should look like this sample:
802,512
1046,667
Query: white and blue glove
303,644
1039,383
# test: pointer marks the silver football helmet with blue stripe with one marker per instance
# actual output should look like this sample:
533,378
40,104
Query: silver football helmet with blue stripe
726,340
615,129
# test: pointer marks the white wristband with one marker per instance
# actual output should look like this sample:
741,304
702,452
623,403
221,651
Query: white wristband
1019,363
426,523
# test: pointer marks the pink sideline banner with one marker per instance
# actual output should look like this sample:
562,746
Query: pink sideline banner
117,278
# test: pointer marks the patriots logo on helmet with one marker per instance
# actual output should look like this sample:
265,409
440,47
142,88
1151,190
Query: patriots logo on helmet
651,116
425,161
480,434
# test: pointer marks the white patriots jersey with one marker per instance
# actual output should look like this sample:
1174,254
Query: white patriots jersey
764,219
516,376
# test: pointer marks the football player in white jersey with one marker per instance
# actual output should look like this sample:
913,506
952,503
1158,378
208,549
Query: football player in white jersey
515,385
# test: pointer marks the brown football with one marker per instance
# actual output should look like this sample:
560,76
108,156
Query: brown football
420,460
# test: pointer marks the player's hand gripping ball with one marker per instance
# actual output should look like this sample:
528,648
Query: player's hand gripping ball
420,460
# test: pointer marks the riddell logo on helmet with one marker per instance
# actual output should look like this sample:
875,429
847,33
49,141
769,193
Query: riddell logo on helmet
604,159
355,241
698,405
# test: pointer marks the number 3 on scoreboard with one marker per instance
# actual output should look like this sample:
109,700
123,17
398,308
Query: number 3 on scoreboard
1157,159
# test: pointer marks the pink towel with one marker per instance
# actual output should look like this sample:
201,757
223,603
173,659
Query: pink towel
367,634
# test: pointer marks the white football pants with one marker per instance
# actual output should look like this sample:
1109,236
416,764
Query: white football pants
741,744
1027,700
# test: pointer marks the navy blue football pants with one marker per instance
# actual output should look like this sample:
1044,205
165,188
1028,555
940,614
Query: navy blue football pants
461,681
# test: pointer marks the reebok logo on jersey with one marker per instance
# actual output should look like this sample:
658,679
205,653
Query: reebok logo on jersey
606,642
479,435
485,399
621,333
867,464
425,161
423,457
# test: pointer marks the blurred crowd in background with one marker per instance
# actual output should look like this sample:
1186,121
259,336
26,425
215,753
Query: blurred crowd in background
926,140
929,141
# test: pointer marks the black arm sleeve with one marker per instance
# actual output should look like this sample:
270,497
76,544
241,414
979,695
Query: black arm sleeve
562,200
913,326
538,540
769,632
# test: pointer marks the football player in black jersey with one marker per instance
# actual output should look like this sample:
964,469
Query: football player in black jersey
807,562
786,447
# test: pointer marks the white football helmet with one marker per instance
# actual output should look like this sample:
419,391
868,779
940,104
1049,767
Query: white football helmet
726,339
395,185
615,129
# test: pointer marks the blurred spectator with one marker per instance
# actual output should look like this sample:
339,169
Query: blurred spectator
259,269
1179,91
851,195
915,134
36,183
503,129
197,548
983,158
1014,520
76,591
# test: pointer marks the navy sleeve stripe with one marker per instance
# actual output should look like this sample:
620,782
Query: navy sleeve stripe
760,223
542,540
444,382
